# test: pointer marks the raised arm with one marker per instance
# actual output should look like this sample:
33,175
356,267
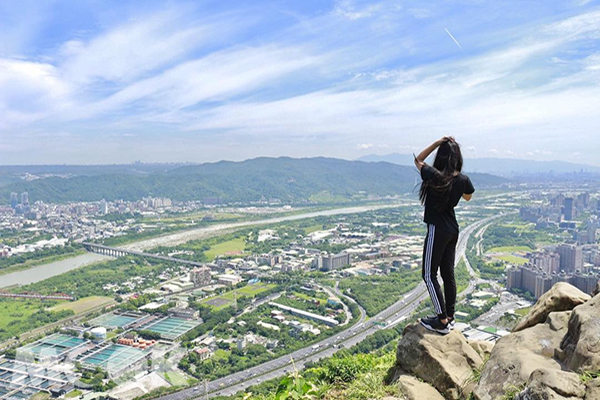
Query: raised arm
420,159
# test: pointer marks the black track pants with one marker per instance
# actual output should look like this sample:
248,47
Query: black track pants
438,252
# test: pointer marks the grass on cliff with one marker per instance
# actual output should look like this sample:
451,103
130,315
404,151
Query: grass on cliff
587,376
356,377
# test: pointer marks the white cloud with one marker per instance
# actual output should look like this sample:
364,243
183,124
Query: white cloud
139,46
420,13
365,146
30,91
347,9
215,77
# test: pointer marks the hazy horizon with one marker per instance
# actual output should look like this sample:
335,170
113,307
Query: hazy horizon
111,82
188,162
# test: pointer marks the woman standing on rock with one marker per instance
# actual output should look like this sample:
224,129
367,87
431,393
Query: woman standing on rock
442,187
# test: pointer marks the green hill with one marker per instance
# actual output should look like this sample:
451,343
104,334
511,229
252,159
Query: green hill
288,179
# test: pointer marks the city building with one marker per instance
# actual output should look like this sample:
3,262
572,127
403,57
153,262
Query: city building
229,280
591,230
103,209
571,257
583,200
185,313
203,353
585,282
546,261
568,209
268,326
14,200
200,276
328,262
537,282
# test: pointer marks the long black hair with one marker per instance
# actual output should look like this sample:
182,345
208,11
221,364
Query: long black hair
448,163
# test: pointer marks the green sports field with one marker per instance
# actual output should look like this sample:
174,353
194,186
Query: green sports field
509,249
83,304
230,247
226,299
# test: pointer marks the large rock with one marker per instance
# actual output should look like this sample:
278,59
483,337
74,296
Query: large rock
561,297
415,389
446,362
596,290
515,356
550,384
483,348
580,347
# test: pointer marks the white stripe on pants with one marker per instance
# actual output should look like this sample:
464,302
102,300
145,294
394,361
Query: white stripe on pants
427,267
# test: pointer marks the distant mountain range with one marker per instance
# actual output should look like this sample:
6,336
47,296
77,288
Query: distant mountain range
507,167
318,179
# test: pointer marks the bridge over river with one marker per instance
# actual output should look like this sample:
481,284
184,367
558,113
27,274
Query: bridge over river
119,252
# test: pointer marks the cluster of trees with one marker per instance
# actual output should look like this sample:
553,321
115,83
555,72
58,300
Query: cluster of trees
211,320
498,235
90,279
22,321
461,276
134,303
317,308
216,367
380,339
97,378
375,293
148,335
475,312
525,294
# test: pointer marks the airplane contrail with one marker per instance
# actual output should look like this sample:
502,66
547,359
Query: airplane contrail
453,38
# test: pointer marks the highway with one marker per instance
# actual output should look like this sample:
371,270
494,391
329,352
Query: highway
280,366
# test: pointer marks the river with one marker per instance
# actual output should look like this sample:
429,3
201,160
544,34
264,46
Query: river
46,271
178,238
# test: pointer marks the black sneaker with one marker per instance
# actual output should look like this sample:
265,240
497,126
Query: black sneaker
451,323
435,325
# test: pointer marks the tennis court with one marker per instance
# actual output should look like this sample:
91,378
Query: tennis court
113,321
53,346
171,327
114,358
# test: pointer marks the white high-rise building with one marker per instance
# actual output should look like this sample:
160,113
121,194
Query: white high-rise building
103,207
200,276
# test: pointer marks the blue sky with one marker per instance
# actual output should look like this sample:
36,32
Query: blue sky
118,81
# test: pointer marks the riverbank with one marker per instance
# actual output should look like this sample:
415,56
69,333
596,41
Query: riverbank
45,271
